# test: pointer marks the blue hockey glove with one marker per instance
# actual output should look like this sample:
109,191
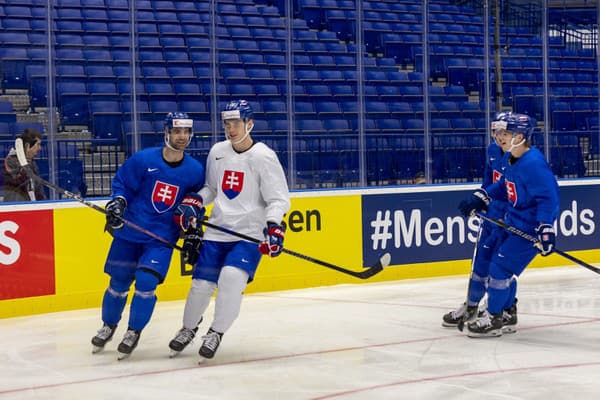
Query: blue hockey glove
477,201
547,238
192,242
115,209
189,211
273,244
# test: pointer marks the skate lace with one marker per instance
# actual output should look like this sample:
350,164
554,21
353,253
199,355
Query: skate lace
130,338
104,332
459,312
185,335
484,320
211,340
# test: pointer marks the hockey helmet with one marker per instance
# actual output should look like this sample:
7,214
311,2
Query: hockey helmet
515,123
237,109
178,120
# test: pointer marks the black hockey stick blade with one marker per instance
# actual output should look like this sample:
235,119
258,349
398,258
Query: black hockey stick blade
383,261
535,241
23,161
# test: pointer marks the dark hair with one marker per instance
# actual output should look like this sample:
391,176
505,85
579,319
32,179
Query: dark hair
30,136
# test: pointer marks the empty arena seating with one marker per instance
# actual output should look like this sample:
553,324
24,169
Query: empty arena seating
94,81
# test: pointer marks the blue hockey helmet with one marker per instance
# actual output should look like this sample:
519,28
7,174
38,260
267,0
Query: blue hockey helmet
237,109
515,123
178,120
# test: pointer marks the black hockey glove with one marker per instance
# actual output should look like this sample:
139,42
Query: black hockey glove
115,209
273,244
477,201
546,237
192,242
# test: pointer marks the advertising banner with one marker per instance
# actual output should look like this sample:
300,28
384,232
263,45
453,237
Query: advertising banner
26,254
426,226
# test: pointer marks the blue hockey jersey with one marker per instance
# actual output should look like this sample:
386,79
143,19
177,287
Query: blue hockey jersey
153,190
531,190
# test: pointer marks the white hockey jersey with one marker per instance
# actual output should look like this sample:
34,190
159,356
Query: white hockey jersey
247,189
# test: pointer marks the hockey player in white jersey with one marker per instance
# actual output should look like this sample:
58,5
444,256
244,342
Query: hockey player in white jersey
248,189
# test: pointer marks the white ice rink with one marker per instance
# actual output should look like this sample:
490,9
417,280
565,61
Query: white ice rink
369,341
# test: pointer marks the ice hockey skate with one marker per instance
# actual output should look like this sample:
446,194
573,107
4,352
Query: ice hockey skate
184,337
103,336
128,344
509,319
209,347
451,319
486,326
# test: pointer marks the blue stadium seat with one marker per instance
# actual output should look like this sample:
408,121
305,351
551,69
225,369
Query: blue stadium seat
106,121
414,125
309,126
400,109
390,125
377,109
325,108
310,75
252,60
162,107
341,91
446,108
318,90
5,131
336,125
70,71
195,108
16,128
304,108
99,88
259,75
462,124
563,120
278,126
440,125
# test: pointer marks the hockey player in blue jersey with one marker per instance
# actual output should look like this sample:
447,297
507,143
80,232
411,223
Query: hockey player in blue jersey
146,190
487,241
247,186
531,191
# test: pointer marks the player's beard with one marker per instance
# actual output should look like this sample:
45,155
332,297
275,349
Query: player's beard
177,145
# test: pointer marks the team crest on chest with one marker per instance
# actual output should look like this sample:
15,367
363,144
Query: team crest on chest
511,192
232,184
164,196
496,175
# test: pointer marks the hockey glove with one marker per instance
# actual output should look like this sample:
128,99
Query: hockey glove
273,244
115,209
546,237
478,201
189,211
192,242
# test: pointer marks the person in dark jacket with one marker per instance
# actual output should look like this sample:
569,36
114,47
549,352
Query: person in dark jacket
17,185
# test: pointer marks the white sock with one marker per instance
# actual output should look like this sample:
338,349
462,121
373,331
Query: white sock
232,282
197,301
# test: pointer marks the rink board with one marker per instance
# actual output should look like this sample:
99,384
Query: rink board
52,253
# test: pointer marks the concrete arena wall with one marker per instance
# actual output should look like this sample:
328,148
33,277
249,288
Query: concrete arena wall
52,253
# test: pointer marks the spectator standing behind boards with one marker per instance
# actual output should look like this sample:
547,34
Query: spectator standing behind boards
17,186
419,178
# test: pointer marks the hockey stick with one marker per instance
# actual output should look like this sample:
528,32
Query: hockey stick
23,161
461,323
536,242
383,262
